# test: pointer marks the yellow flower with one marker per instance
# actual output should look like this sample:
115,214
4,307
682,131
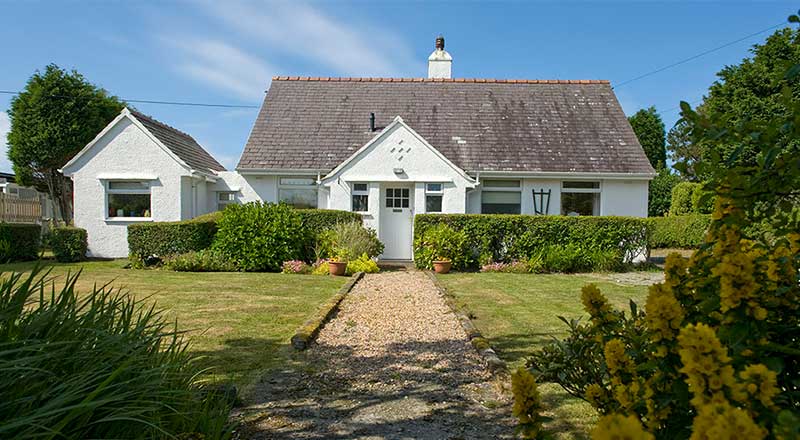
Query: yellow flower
664,314
616,359
721,421
527,403
761,383
596,305
595,394
618,427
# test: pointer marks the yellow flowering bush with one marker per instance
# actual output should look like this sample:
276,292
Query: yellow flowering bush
527,405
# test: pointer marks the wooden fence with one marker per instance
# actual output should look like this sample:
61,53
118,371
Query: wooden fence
16,210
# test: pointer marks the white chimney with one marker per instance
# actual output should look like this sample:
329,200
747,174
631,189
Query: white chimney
440,63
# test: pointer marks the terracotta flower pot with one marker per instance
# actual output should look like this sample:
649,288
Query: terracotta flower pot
442,266
337,268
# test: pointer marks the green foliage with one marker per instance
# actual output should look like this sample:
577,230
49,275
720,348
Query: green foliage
682,195
682,149
348,241
260,236
69,244
99,364
649,129
503,238
702,200
749,94
320,268
19,242
441,242
678,231
151,242
316,222
54,117
206,260
362,264
660,195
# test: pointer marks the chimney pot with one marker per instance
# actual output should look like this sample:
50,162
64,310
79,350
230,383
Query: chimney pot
440,42
440,63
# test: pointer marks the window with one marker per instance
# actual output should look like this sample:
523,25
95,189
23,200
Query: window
360,197
397,197
433,197
580,198
225,198
128,199
501,197
300,192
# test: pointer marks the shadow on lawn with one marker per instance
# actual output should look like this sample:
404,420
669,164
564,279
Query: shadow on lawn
242,358
419,390
516,348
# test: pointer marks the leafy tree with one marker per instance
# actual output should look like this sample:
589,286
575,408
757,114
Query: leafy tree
660,195
748,94
649,129
57,114
682,150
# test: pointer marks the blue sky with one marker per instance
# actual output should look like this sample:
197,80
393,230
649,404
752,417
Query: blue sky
226,52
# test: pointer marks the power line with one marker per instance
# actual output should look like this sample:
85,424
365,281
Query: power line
148,101
693,57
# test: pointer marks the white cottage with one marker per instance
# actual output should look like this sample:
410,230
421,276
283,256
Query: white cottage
388,148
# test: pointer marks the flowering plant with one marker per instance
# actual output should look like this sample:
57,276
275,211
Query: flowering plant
295,267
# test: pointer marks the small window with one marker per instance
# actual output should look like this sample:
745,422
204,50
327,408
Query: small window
128,199
501,196
360,197
580,198
300,192
225,198
501,183
433,197
397,198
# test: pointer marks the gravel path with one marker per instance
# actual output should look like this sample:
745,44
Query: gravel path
394,363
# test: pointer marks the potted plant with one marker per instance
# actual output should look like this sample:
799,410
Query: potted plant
442,264
337,264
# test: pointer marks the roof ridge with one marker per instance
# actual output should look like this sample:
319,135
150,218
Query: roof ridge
448,80
139,114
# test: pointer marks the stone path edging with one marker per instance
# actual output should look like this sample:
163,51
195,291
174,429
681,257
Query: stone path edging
496,365
310,329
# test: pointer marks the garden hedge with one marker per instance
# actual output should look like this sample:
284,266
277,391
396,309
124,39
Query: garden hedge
318,220
678,231
509,237
69,244
19,241
159,239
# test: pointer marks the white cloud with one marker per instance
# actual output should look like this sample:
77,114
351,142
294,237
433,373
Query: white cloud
300,30
220,65
5,127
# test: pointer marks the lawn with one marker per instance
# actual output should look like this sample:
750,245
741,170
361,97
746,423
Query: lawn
518,313
240,322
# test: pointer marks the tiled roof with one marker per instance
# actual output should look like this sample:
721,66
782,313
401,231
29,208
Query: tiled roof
479,124
180,143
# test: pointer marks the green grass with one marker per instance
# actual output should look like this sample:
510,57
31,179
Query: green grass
240,322
518,313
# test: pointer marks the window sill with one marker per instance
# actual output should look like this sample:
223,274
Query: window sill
128,219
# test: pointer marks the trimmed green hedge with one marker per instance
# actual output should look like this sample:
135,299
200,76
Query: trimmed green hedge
69,244
678,231
318,220
19,242
160,239
504,238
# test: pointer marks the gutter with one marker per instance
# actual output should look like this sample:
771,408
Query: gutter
568,175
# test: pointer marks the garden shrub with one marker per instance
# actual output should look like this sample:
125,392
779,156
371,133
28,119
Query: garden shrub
156,240
316,222
320,267
347,241
442,242
362,264
97,364
660,194
260,236
702,200
503,238
295,267
512,267
681,231
682,195
69,244
19,242
206,260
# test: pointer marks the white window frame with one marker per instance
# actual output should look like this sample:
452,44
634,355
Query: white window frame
222,204
597,191
313,186
109,191
502,189
439,193
359,192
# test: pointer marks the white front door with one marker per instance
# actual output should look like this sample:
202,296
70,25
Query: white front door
397,214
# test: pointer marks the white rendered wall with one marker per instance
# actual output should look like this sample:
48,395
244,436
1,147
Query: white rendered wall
125,150
624,198
248,188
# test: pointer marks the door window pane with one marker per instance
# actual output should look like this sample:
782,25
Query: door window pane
128,205
397,198
575,204
500,202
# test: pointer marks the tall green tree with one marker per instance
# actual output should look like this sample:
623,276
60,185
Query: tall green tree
649,129
682,149
751,93
57,114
